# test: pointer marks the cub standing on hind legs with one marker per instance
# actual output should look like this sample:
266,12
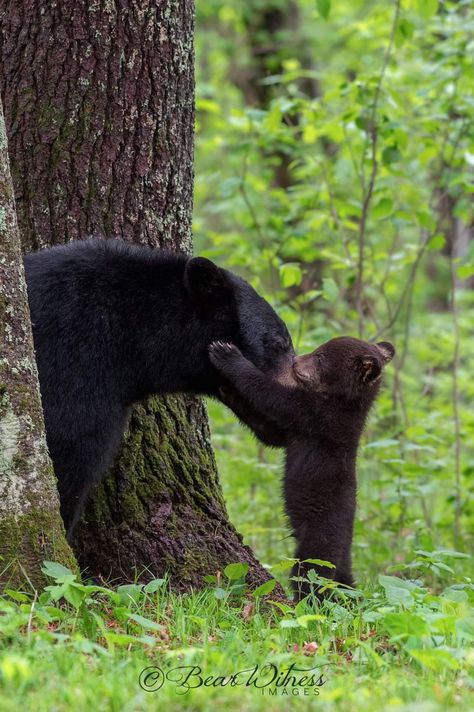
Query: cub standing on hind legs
316,410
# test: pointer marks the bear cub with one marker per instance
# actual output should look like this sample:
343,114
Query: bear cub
316,409
114,323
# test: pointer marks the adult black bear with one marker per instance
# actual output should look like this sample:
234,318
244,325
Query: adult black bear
113,323
317,411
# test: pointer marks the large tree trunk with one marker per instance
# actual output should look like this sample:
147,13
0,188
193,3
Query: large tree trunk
31,529
100,115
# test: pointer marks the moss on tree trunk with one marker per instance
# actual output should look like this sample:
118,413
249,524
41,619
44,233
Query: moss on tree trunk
100,101
161,508
31,529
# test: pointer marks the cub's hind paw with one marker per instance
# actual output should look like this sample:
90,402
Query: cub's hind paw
221,353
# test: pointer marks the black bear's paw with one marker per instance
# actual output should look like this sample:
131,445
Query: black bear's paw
222,354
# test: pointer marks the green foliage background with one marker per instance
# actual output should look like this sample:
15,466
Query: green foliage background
370,107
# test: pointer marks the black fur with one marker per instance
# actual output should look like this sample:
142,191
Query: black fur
316,410
113,323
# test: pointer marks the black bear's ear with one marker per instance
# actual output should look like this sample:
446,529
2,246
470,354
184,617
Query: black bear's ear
370,369
206,283
387,350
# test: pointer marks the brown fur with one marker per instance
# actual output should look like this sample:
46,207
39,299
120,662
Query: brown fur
317,411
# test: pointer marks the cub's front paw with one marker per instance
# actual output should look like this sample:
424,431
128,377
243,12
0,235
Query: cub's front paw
222,354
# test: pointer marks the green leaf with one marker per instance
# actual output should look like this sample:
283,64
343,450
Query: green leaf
273,119
390,154
387,442
310,133
330,289
124,639
324,8
290,623
284,565
320,562
55,592
55,570
154,585
456,595
425,219
130,592
426,8
281,607
405,624
145,622
290,275
16,595
265,588
57,613
465,271
383,209
236,571
436,566
404,31
437,242
465,628
308,618
397,590
208,105
74,595
435,659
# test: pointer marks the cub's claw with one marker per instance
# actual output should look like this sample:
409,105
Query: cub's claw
221,353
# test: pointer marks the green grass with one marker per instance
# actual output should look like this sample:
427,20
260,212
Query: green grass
402,644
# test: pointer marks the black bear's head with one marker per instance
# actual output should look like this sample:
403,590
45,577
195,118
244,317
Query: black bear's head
344,366
265,340
228,303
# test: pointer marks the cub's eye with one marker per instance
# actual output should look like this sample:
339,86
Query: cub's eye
319,359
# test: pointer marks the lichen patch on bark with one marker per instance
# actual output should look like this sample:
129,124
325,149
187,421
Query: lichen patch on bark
28,492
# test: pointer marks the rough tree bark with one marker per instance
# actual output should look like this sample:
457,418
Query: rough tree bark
99,101
31,528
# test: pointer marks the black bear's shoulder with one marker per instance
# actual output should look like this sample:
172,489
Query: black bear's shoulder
101,256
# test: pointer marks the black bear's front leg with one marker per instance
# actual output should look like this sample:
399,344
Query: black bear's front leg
311,548
344,571
80,461
313,543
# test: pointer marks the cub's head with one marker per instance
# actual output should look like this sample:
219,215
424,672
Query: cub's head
343,366
231,310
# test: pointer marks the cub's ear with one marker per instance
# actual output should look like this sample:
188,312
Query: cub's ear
206,283
387,350
370,369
